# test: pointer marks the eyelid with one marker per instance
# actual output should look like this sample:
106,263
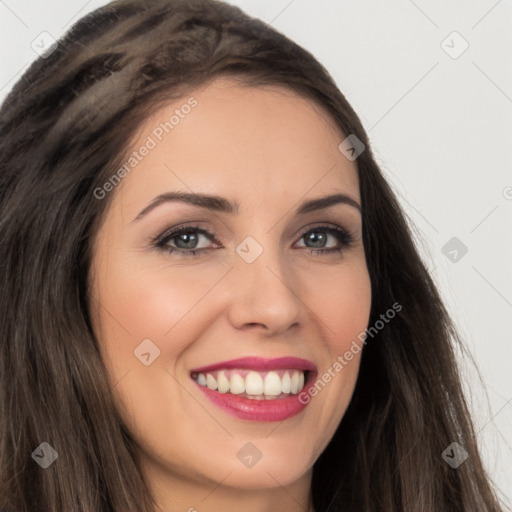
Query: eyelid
325,225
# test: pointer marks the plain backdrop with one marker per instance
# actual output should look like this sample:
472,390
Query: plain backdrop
432,84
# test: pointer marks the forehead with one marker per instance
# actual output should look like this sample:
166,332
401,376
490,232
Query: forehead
255,145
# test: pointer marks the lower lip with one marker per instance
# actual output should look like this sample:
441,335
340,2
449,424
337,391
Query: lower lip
277,409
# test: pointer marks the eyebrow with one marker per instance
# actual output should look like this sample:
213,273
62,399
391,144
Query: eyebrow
221,204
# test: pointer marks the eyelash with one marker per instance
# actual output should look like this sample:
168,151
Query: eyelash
341,234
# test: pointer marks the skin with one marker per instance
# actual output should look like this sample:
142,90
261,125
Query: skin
270,150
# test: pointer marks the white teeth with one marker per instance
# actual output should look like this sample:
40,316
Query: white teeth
295,383
211,382
237,384
301,381
253,384
272,384
258,385
286,385
222,383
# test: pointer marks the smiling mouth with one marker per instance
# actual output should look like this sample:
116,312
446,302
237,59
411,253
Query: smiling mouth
256,385
257,388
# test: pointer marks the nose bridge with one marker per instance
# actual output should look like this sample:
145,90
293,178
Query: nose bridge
265,290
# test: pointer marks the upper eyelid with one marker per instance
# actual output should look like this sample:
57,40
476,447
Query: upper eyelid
169,234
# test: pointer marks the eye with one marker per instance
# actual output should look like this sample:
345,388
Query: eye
185,240
318,237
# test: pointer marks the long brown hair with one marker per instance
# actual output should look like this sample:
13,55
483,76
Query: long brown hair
63,131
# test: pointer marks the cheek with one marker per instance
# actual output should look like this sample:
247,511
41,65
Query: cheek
141,300
149,301
345,307
145,309
349,313
345,310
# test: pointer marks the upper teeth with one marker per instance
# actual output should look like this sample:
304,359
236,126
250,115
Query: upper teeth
270,383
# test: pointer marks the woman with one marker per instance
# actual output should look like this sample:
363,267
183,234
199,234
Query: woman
253,371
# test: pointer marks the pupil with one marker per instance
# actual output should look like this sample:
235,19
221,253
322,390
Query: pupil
186,237
313,237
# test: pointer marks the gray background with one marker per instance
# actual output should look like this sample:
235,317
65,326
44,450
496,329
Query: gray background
440,124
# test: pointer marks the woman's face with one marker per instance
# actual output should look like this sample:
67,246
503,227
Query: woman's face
174,325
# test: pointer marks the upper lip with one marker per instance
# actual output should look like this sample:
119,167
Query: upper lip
260,364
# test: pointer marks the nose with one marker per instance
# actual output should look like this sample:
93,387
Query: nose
265,295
